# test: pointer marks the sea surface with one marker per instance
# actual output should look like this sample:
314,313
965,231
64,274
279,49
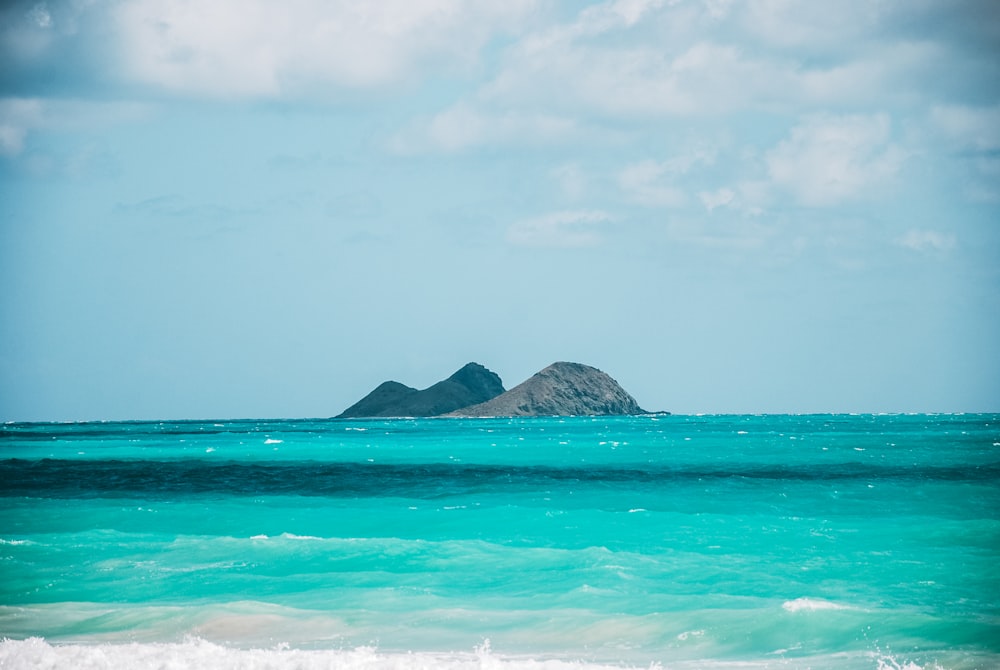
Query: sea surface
822,541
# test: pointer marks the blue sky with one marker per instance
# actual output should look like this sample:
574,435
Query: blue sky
243,208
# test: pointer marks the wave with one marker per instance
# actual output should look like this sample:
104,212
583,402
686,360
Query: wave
287,536
811,605
39,654
196,653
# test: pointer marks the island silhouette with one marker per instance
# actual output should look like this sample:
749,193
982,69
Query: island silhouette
561,389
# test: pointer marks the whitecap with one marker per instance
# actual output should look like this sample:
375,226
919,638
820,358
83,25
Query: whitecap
199,653
293,536
811,605
270,441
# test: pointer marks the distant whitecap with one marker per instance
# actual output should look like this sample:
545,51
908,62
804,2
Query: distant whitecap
811,605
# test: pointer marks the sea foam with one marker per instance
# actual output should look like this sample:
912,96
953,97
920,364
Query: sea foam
38,654
811,605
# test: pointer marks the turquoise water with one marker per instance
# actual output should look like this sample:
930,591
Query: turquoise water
684,541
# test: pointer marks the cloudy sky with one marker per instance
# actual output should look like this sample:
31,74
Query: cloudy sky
246,208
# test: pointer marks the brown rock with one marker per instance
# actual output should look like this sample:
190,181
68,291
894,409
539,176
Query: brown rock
562,389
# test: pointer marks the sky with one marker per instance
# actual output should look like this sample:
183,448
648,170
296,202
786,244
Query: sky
248,209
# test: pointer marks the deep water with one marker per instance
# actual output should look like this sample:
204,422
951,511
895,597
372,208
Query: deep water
685,541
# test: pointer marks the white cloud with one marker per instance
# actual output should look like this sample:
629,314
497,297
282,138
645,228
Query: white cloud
975,128
571,180
718,198
753,196
648,61
831,159
40,16
19,117
259,48
631,11
714,58
646,183
972,135
925,241
813,25
25,32
597,60
653,183
559,229
888,73
718,9
592,20
11,139
639,78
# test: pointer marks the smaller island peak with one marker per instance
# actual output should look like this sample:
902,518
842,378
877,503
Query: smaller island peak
469,385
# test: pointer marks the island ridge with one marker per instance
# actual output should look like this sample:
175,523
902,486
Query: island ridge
561,389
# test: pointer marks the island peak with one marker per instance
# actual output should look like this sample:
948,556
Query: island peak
561,389
469,385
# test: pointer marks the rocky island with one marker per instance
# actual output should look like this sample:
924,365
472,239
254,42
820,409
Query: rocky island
561,389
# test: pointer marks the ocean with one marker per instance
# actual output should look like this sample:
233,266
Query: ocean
819,541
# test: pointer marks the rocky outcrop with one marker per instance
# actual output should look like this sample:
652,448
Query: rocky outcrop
470,385
562,389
